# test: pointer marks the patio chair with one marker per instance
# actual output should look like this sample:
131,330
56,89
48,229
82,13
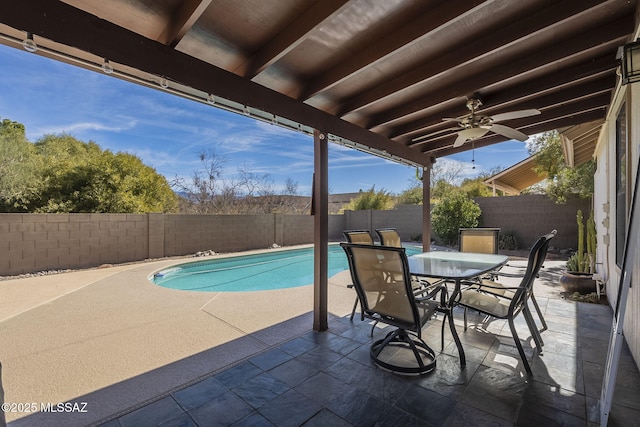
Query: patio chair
381,278
421,285
358,236
389,237
485,240
480,240
504,302
494,287
363,237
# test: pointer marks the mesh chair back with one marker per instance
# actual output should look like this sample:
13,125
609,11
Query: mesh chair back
381,278
389,237
358,236
537,256
480,240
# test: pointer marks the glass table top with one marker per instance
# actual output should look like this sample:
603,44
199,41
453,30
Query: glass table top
454,265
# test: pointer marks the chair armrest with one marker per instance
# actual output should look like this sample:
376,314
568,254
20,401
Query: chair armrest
498,286
516,275
425,285
425,282
500,273
437,288
496,291
513,275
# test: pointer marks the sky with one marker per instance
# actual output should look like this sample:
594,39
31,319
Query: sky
168,132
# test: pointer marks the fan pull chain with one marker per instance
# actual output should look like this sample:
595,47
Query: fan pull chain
473,155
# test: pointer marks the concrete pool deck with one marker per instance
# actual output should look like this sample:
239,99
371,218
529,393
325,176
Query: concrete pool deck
112,339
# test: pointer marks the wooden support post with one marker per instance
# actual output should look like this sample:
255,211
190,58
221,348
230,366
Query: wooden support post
426,207
320,202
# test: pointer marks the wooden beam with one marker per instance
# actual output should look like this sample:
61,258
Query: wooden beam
474,49
287,40
559,88
598,102
72,27
592,42
181,21
405,37
556,123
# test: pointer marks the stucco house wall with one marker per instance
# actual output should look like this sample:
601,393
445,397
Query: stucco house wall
605,209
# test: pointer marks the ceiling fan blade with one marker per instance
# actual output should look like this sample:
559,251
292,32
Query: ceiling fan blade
450,119
459,141
515,115
471,133
429,135
508,132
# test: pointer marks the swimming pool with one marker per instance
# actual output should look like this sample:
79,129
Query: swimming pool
266,271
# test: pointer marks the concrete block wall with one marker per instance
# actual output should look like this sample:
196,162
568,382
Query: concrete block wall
531,216
359,220
156,235
295,230
407,220
528,217
337,224
37,242
185,234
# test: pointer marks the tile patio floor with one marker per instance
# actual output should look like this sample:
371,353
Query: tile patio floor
328,379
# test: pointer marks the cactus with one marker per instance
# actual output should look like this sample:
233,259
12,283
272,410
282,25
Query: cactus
591,242
572,263
581,261
580,241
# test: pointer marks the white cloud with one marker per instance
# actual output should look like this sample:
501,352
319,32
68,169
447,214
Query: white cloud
88,126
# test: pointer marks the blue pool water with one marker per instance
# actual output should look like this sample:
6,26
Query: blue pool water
265,271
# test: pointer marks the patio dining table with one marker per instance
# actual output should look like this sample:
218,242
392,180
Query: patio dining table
454,267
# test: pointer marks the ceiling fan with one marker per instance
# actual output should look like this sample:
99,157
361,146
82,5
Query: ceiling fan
474,125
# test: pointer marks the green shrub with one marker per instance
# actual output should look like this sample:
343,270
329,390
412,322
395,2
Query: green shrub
370,199
454,211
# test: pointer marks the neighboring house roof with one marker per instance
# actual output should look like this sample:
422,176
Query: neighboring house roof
578,143
516,178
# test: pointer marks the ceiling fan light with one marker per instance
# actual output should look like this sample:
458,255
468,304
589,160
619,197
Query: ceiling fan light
473,133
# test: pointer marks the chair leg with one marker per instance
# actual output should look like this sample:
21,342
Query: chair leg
414,349
465,319
525,362
444,320
355,304
537,307
528,317
373,327
384,342
401,338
